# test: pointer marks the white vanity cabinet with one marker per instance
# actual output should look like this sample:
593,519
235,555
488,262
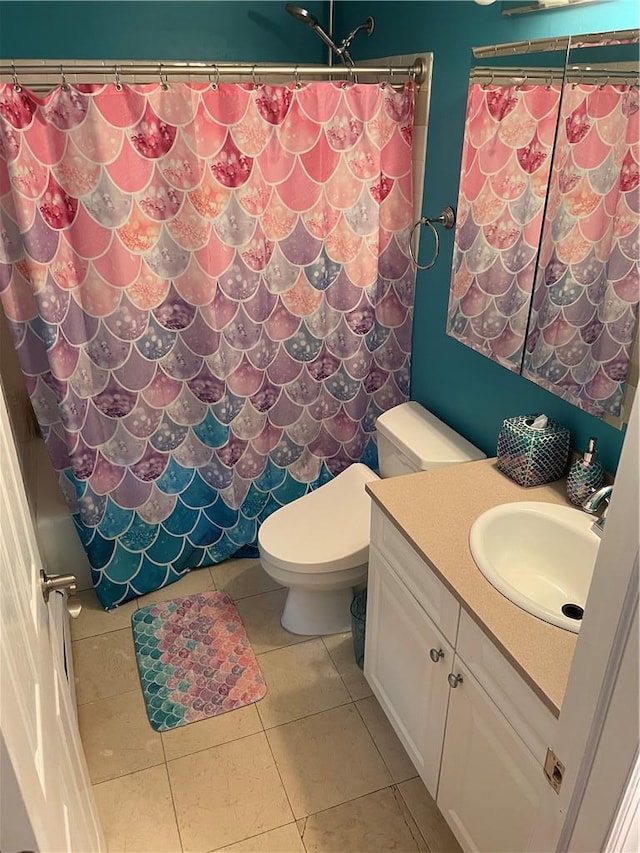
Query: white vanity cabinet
412,690
490,784
477,742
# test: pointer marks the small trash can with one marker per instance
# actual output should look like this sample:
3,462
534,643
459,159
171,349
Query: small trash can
358,623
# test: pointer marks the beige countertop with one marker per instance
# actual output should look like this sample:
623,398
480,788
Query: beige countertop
434,511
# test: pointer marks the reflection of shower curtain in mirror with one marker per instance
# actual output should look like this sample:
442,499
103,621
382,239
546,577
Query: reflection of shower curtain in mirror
508,143
211,299
585,301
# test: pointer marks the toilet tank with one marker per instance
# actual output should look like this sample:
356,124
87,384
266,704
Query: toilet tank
412,439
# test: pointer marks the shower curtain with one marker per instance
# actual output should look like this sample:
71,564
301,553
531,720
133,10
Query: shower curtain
585,301
210,295
506,157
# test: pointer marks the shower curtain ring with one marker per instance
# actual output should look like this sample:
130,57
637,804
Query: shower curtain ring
16,83
215,83
602,85
255,83
490,83
521,83
64,84
118,82
296,78
163,79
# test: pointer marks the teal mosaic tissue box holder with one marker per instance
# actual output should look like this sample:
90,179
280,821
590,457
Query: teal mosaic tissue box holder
531,457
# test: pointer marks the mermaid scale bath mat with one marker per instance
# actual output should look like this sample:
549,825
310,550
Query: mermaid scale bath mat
195,659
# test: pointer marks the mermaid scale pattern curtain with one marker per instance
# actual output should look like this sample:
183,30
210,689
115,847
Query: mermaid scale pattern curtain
506,157
585,301
210,295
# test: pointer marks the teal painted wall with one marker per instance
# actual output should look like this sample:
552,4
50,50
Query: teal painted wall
155,29
464,388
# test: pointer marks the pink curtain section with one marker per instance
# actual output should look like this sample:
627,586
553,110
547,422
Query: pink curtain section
211,298
585,302
506,158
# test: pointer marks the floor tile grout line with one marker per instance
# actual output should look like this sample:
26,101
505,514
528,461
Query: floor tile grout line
344,681
349,701
395,790
308,639
284,787
173,802
263,729
409,809
137,689
249,837
352,800
252,594
374,740
313,714
129,773
99,634
375,745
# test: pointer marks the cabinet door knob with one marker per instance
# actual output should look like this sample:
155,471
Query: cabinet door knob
454,680
436,654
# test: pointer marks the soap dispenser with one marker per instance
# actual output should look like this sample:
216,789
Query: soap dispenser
585,475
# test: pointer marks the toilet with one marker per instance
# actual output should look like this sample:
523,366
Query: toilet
318,545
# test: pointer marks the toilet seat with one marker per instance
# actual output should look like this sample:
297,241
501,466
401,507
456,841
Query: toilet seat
327,530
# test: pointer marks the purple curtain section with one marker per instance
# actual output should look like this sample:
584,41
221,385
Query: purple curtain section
506,157
585,301
211,297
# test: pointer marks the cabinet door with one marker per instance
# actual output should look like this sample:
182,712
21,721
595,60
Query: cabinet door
411,688
490,783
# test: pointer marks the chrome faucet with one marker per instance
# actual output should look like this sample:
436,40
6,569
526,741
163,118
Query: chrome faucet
593,504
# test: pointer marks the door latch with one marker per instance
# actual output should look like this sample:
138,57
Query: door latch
58,583
554,770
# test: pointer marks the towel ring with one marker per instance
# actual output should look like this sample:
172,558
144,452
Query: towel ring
446,218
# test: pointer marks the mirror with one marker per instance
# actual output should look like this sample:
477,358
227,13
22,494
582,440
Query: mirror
545,267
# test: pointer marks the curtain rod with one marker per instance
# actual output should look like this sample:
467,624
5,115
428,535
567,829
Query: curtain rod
577,74
20,70
503,73
603,76
559,43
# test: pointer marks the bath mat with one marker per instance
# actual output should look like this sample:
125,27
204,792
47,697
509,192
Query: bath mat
194,659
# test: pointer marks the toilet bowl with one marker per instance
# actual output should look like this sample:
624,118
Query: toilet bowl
318,545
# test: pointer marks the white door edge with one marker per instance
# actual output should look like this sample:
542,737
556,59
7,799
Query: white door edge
607,641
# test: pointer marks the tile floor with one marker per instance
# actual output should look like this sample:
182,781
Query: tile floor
314,767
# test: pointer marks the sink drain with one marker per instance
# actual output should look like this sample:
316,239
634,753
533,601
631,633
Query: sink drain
573,611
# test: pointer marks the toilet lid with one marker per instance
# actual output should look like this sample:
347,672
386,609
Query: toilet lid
325,530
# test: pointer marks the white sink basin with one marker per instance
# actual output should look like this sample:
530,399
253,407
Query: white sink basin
539,555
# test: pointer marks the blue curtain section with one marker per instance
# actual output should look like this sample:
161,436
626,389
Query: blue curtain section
201,530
